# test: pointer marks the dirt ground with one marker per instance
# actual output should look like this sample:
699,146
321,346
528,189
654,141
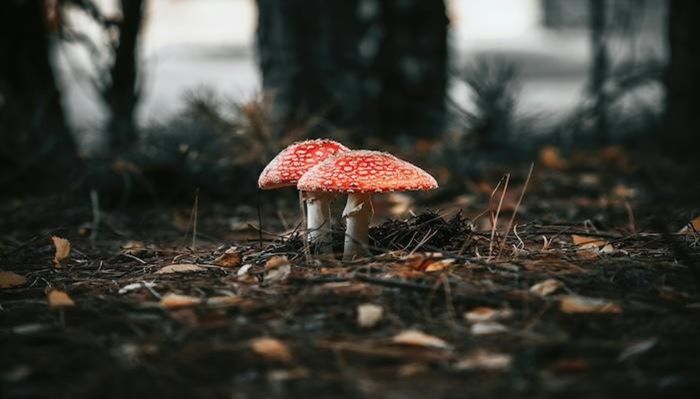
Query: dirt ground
595,293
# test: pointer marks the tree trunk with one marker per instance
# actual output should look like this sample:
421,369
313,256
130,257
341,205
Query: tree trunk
599,68
37,148
412,68
122,94
683,81
374,68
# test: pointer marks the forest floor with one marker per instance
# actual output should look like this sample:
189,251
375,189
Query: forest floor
594,293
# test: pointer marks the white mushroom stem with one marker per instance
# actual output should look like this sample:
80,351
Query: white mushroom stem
357,213
318,214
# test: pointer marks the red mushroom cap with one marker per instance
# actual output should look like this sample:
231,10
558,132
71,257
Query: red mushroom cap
288,166
366,171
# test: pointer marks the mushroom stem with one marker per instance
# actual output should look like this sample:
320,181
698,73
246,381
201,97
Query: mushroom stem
357,213
318,219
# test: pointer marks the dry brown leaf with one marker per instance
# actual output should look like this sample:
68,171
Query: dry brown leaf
550,158
368,315
439,265
11,279
180,268
62,251
276,261
419,338
224,301
484,360
484,313
691,227
546,287
271,348
134,248
586,242
231,258
278,274
488,328
579,304
177,301
58,299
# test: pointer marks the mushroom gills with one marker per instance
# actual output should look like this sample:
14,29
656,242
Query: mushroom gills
358,213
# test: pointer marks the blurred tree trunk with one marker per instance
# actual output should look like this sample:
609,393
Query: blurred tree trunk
306,53
683,81
37,148
599,67
375,67
412,68
122,93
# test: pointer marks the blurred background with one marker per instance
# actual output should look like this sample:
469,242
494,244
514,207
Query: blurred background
166,95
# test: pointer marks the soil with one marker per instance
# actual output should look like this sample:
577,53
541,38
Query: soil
621,318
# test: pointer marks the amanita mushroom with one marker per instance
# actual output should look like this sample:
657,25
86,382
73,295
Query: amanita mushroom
360,174
289,166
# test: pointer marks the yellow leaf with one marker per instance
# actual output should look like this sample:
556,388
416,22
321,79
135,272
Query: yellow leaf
271,348
419,338
276,261
62,250
180,268
368,315
550,158
231,258
10,279
691,227
224,301
177,301
484,313
586,242
439,265
59,299
579,304
546,287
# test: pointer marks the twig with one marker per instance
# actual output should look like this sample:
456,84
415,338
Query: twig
515,211
194,223
494,222
96,215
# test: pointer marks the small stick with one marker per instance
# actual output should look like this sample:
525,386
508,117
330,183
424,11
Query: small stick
494,224
194,222
96,215
515,211
260,227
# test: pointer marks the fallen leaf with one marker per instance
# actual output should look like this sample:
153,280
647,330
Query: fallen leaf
231,258
691,227
488,328
276,261
62,251
278,274
135,286
546,287
58,299
484,360
419,338
271,348
224,301
637,348
11,279
586,242
177,301
180,268
368,315
411,369
134,248
579,304
484,313
438,265
551,158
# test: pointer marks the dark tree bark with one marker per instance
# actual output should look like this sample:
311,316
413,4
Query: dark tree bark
36,148
599,67
412,66
683,82
122,93
374,68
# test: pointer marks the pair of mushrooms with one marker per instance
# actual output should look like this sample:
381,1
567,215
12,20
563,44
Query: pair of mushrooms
323,168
